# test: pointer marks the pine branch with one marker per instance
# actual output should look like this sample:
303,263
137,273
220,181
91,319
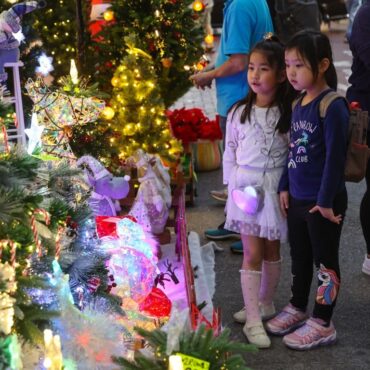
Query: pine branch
219,351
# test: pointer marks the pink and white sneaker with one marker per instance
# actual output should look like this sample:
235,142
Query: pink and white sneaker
311,335
289,319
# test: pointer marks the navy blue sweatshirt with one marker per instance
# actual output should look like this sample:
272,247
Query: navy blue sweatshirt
317,152
360,46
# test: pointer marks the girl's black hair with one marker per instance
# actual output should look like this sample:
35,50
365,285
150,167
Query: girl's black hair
314,46
273,50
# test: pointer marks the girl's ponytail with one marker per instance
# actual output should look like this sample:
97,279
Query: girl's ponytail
331,77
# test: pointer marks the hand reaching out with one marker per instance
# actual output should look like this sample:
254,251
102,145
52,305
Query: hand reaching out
202,79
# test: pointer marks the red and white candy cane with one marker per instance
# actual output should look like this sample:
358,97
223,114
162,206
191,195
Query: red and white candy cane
13,249
45,214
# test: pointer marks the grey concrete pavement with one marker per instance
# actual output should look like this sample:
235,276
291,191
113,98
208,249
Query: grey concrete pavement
352,314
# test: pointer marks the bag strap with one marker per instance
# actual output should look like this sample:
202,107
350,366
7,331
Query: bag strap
326,101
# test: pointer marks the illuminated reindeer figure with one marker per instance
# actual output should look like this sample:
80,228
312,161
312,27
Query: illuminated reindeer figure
58,112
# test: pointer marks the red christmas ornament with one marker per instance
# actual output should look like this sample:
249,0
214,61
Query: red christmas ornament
151,46
109,64
156,304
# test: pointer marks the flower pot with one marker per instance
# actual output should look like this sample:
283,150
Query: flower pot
207,155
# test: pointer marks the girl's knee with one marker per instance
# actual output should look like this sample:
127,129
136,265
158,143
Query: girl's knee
252,262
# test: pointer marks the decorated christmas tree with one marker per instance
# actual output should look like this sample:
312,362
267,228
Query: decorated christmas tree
137,113
169,30
57,28
139,106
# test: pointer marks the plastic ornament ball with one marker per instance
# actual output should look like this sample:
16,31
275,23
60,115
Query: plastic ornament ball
108,113
167,62
115,81
129,129
156,304
108,15
200,66
209,39
198,6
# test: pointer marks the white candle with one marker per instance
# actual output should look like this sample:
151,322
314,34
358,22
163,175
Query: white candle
73,72
175,363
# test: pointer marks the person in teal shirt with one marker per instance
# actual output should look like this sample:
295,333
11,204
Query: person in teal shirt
245,23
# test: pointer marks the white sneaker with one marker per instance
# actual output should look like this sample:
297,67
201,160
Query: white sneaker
266,312
366,265
220,195
256,334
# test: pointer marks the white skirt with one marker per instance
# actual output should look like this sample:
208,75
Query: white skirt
269,222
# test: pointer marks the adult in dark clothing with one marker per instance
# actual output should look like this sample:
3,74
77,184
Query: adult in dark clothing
292,16
359,91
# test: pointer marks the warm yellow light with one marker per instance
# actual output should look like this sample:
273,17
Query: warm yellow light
198,6
129,129
108,15
209,39
114,81
108,113
200,66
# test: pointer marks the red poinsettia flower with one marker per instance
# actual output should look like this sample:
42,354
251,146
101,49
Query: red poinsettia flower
189,125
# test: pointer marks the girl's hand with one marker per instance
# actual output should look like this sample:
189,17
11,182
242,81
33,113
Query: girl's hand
284,202
327,213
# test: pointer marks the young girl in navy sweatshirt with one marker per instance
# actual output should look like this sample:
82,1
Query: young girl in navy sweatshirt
312,193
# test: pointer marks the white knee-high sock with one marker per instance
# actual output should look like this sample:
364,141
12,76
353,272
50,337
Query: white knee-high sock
271,271
251,282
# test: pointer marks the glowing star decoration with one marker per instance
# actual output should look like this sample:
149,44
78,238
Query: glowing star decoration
59,112
73,72
45,64
19,36
34,134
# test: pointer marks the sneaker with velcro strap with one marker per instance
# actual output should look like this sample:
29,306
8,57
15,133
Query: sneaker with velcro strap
289,319
267,311
310,335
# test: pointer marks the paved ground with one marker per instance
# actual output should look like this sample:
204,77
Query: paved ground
353,308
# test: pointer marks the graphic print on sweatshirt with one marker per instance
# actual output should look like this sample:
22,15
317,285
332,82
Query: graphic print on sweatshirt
301,132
